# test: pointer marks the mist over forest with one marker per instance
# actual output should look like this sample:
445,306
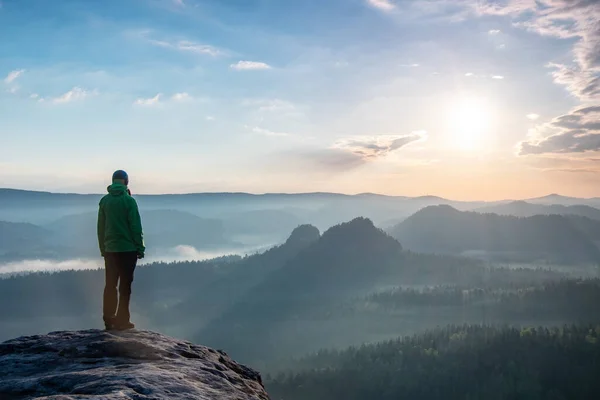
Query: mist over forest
312,289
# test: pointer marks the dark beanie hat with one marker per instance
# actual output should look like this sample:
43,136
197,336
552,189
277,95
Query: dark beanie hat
120,174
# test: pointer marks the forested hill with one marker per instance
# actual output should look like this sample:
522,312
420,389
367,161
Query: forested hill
456,362
347,260
443,229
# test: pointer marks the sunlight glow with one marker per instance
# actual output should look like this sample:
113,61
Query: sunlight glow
469,122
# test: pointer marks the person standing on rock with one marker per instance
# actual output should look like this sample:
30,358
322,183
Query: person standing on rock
121,242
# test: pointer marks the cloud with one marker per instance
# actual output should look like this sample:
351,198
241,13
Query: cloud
584,84
499,77
13,75
532,116
576,20
575,132
566,19
385,5
372,147
323,160
181,97
249,65
267,132
469,74
149,102
494,31
75,94
502,7
210,118
190,47
574,170
270,105
25,266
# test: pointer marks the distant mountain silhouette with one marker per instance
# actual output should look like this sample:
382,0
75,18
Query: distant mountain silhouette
162,229
443,229
555,198
525,209
275,224
303,236
16,237
238,210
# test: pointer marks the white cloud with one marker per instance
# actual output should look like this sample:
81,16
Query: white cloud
469,74
409,65
152,101
385,5
199,48
267,132
497,77
583,83
341,64
270,105
502,7
494,31
13,75
575,132
25,266
372,147
34,96
210,118
565,19
181,97
74,94
179,3
532,116
250,65
189,46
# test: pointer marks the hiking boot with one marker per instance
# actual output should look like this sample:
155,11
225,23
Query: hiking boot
109,323
123,326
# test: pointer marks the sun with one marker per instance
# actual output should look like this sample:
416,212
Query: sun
469,122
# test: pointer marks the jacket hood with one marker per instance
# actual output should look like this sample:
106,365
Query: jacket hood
117,189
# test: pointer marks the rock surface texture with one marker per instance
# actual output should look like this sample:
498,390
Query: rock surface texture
132,364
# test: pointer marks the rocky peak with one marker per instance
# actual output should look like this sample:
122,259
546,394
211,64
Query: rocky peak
303,236
96,364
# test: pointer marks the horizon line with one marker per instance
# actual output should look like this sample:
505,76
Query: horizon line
305,194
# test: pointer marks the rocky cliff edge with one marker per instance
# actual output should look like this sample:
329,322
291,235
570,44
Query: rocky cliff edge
134,364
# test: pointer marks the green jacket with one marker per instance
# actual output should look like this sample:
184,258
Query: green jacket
119,222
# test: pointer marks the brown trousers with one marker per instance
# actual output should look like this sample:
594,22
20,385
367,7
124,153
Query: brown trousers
119,268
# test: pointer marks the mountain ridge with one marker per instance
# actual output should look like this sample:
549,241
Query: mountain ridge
444,229
521,208
552,196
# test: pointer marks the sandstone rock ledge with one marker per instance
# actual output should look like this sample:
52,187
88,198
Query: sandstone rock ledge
134,364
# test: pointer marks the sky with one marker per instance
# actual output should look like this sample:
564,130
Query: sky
465,99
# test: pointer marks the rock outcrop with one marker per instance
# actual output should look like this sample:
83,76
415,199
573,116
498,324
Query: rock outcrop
96,364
